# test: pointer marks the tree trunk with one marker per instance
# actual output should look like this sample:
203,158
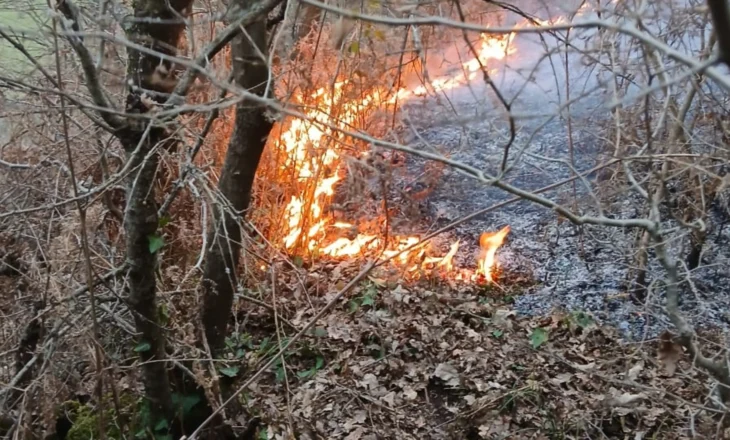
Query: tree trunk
158,26
251,129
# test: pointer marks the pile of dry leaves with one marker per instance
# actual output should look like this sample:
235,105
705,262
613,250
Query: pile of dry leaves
430,360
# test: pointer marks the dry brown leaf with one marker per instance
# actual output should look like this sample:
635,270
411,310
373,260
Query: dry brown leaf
389,399
634,371
369,381
585,367
410,393
625,400
502,318
561,378
380,282
448,374
669,353
355,434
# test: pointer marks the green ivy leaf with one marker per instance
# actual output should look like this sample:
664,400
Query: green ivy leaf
185,403
161,425
354,47
368,300
229,371
538,337
280,374
354,306
142,347
155,242
320,362
583,319
230,342
497,333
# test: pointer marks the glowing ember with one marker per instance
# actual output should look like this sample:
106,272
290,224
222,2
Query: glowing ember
489,243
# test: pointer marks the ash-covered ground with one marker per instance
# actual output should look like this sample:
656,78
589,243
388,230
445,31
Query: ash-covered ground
581,269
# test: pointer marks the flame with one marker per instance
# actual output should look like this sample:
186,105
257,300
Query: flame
491,47
312,157
445,262
310,153
489,242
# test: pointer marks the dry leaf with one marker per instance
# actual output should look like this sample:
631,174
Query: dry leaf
561,378
410,393
625,400
448,374
502,319
369,381
585,367
356,434
669,353
635,371
389,399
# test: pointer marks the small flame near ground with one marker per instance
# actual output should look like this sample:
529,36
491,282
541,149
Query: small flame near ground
489,242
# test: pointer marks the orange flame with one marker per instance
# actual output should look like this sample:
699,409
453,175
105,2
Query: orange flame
447,261
312,156
489,243
491,47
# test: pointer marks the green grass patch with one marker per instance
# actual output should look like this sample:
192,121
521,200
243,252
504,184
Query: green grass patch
24,21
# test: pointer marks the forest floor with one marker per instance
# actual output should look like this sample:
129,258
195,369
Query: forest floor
427,358
423,359
433,359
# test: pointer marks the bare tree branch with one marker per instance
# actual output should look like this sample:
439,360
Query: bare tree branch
70,11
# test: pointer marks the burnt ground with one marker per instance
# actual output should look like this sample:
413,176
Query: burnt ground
586,268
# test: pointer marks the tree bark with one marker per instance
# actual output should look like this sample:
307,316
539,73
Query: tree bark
158,25
251,129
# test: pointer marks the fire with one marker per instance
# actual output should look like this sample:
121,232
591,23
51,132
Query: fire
489,242
445,262
311,154
491,47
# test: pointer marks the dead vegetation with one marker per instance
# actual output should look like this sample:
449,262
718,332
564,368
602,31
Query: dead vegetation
141,297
